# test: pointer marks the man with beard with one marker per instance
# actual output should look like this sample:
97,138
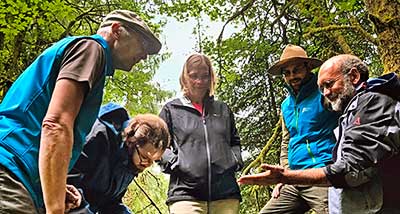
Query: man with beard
116,151
364,175
307,136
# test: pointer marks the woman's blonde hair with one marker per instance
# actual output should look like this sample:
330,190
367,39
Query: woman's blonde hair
148,128
194,60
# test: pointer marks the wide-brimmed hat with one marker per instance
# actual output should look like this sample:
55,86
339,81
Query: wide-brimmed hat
293,54
132,20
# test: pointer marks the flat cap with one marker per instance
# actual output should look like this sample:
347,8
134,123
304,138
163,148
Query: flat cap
132,20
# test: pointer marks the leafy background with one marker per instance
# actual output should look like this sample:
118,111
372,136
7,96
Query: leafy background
369,29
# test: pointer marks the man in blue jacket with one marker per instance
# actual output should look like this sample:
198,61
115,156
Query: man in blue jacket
307,139
364,174
116,150
47,113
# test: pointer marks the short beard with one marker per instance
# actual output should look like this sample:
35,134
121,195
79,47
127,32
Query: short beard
343,98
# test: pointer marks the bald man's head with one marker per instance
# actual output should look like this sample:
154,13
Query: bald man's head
338,78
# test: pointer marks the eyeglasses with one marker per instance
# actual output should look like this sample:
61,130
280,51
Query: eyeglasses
328,84
144,159
296,70
199,77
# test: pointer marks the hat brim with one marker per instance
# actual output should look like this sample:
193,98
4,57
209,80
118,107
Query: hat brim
276,68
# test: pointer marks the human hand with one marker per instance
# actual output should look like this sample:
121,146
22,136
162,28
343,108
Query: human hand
271,176
73,198
277,190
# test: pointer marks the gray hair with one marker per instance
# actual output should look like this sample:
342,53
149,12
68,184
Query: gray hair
125,33
350,62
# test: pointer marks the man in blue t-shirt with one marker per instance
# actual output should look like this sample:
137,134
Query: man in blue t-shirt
51,107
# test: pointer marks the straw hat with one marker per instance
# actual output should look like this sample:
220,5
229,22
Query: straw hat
293,54
132,20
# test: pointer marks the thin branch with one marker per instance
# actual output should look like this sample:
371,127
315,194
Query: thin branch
278,17
356,28
266,148
72,23
328,28
147,196
234,16
362,31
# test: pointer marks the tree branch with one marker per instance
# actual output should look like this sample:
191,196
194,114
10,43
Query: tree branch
147,196
234,16
328,28
363,32
356,28
260,158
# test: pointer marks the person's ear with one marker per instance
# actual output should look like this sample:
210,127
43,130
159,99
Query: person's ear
130,130
354,75
116,30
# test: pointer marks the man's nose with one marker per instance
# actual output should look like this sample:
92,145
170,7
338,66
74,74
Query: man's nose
291,77
326,92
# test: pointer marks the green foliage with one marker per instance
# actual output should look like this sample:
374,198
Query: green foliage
155,185
263,29
254,198
24,33
135,90
29,27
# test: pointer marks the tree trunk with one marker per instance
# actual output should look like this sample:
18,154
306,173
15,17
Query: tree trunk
385,14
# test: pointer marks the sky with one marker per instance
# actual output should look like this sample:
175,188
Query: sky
180,42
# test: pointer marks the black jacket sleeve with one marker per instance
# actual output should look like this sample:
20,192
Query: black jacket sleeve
95,149
169,159
372,135
235,142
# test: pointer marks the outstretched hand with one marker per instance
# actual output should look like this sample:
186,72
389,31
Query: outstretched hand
73,198
272,175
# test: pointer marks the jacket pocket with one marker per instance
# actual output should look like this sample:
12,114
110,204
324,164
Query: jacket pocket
223,158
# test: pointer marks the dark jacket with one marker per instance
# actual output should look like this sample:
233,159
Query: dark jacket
204,153
366,158
104,170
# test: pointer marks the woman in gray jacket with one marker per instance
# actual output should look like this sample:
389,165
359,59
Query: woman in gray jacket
205,148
